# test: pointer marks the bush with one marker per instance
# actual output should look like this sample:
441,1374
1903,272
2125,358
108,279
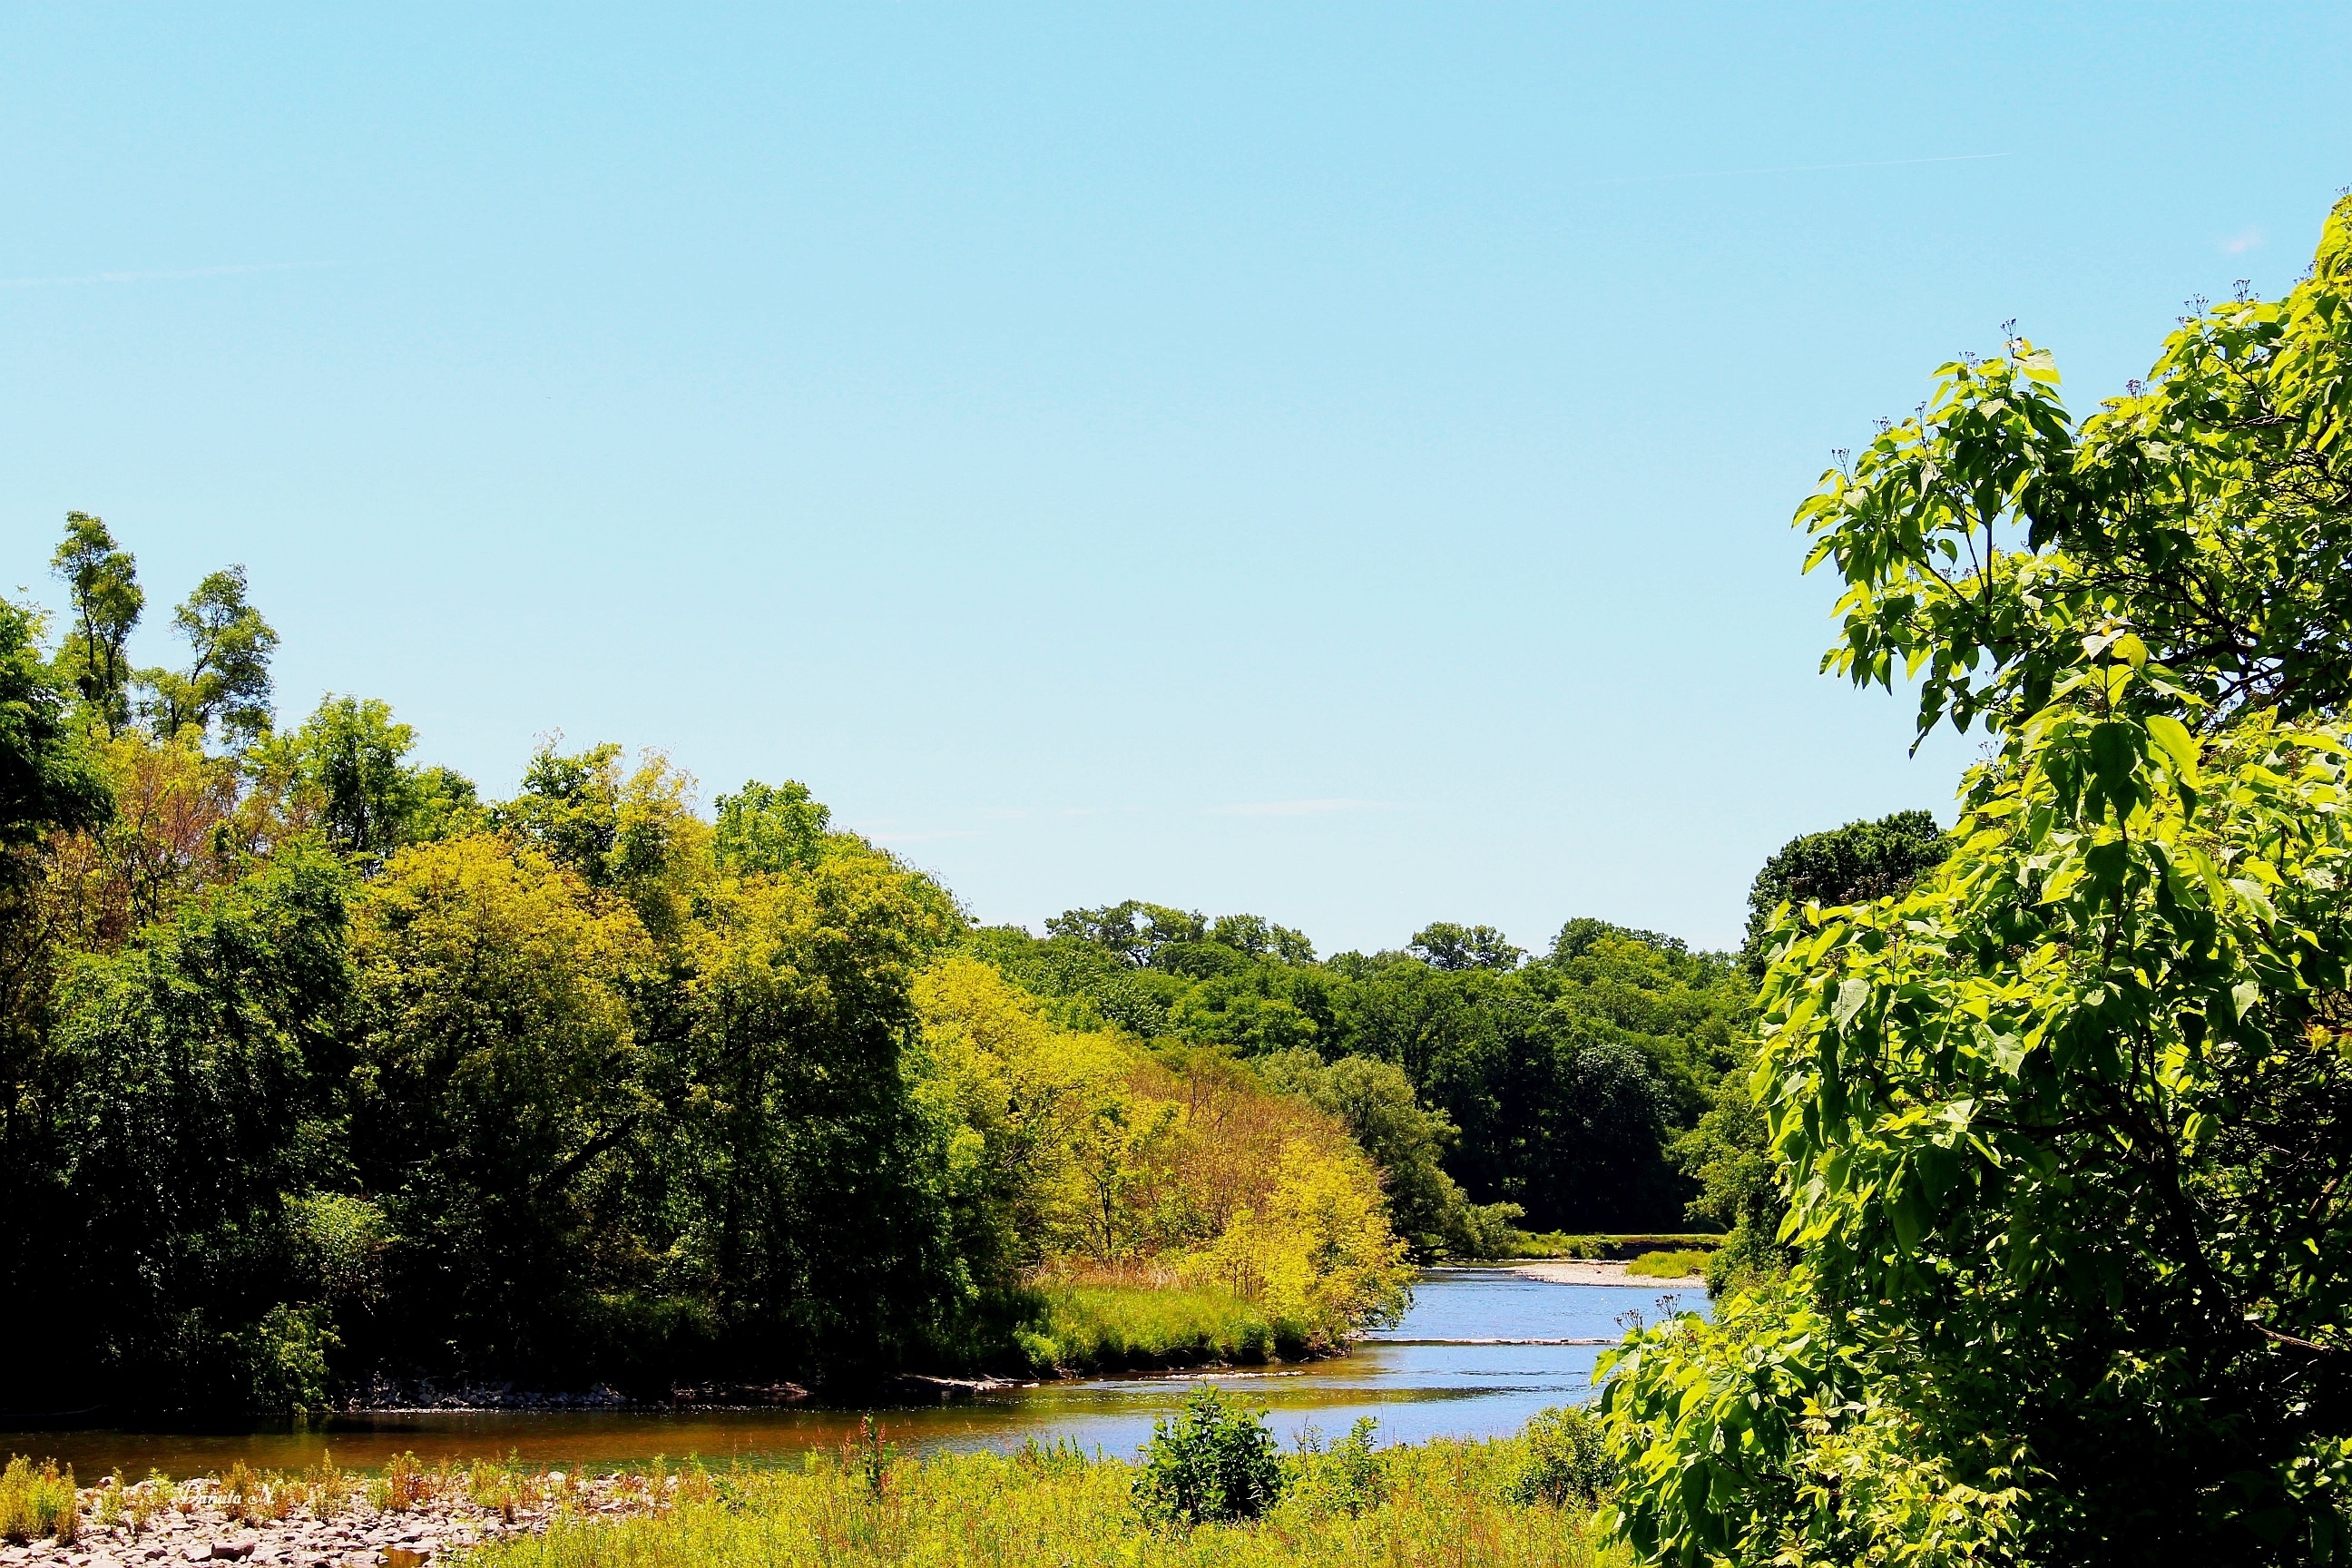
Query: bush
37,1502
1673,1264
1215,1462
1568,1461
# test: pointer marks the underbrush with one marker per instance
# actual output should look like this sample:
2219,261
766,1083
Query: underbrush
1102,1328
1678,1265
1447,1503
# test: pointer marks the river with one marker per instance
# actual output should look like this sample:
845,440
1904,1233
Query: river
1480,1351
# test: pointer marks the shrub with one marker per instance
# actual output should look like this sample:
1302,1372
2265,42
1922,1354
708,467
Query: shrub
1566,1461
1670,1265
1216,1461
37,1502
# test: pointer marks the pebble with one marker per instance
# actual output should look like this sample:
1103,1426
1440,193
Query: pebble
193,1529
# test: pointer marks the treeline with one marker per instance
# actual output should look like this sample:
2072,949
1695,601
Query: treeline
319,1067
1559,1083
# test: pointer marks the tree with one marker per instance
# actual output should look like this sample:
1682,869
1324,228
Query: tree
2066,1128
499,1061
47,780
765,828
227,683
1135,931
1375,1101
107,602
1441,944
1856,864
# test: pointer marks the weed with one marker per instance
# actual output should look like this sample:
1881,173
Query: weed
329,1488
868,1455
147,1496
403,1484
1443,1508
1673,1265
37,1502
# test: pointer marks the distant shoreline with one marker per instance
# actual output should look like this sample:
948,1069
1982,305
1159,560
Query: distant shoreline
1598,1271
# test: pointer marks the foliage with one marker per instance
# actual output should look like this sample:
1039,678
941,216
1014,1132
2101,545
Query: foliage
1857,864
353,754
1759,1438
37,1502
1375,1101
1565,1078
47,781
226,684
1672,1265
1441,1504
2064,1127
1566,1461
1214,1462
768,828
1350,1477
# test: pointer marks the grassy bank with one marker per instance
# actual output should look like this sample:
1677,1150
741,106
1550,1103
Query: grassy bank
1112,1326
1444,1504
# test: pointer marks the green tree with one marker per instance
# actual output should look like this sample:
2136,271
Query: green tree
1442,944
499,1063
107,600
1375,1101
2067,1127
226,684
180,1093
1850,865
766,828
353,754
47,779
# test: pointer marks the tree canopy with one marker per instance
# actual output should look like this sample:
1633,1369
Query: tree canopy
2062,1128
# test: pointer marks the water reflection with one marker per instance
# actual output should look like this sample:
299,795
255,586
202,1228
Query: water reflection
1481,1350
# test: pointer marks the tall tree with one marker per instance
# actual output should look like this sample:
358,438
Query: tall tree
227,682
107,600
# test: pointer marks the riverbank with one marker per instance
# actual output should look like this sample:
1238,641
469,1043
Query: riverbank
325,1517
1451,1503
1596,1271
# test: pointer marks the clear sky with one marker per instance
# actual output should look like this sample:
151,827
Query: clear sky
1329,462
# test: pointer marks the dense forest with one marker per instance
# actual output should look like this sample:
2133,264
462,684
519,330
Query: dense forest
322,1069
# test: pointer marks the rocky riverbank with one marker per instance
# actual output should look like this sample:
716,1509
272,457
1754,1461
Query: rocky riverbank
405,1517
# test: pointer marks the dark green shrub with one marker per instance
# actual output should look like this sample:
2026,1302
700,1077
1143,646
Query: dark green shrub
1216,1461
1568,1461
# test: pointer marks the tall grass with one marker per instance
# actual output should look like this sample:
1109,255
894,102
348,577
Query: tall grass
1673,1265
1442,1506
1100,1327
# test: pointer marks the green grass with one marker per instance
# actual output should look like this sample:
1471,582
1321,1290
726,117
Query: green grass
1677,1265
1100,1328
1445,1504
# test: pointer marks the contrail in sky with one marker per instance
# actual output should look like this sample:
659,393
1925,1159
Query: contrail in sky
150,276
1800,168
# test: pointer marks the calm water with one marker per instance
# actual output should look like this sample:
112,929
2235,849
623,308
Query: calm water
1431,1376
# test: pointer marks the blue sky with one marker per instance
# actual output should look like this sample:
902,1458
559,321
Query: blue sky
1329,462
